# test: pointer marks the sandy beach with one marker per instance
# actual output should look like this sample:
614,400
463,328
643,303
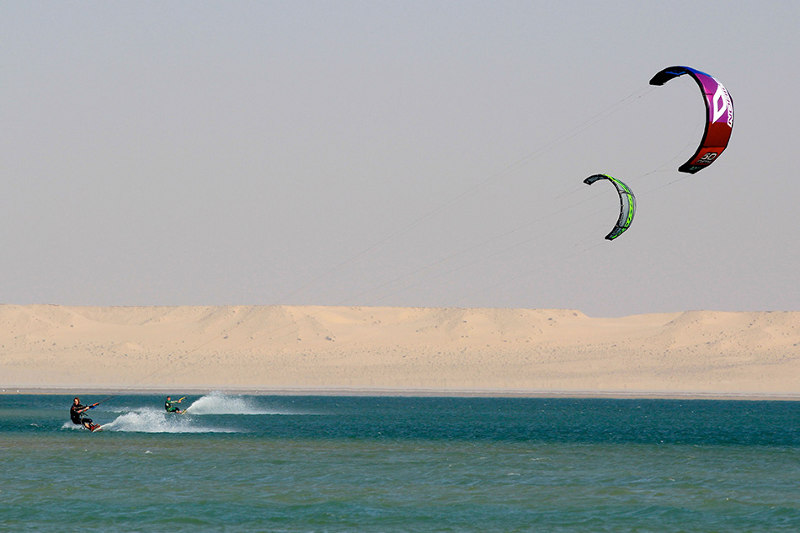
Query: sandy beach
386,350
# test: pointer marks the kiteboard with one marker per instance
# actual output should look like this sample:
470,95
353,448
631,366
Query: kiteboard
95,427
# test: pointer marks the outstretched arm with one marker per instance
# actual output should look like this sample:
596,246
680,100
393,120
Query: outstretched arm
88,407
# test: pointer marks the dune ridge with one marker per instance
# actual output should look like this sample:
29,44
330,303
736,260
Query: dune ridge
445,350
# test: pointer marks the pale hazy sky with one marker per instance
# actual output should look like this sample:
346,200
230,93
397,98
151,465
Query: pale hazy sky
414,153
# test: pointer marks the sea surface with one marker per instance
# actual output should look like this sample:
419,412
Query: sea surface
312,463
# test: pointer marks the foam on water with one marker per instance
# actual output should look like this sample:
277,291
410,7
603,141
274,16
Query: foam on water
150,420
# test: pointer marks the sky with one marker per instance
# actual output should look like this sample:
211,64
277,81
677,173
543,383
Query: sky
408,153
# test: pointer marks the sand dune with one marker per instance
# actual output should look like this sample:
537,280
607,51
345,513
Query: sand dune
278,348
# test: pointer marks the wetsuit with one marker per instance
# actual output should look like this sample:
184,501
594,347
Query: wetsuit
170,408
76,417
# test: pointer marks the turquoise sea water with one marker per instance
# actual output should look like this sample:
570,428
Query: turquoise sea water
282,463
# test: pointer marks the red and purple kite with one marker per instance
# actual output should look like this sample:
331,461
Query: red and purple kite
719,116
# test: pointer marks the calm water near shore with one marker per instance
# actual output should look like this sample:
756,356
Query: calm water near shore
283,463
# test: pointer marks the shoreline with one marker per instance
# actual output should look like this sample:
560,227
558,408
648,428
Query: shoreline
400,393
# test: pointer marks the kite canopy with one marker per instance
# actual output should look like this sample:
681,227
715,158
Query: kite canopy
719,116
627,204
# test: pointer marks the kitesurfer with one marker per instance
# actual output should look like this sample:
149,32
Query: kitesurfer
169,405
76,414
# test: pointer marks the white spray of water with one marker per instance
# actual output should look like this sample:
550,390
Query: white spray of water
218,403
